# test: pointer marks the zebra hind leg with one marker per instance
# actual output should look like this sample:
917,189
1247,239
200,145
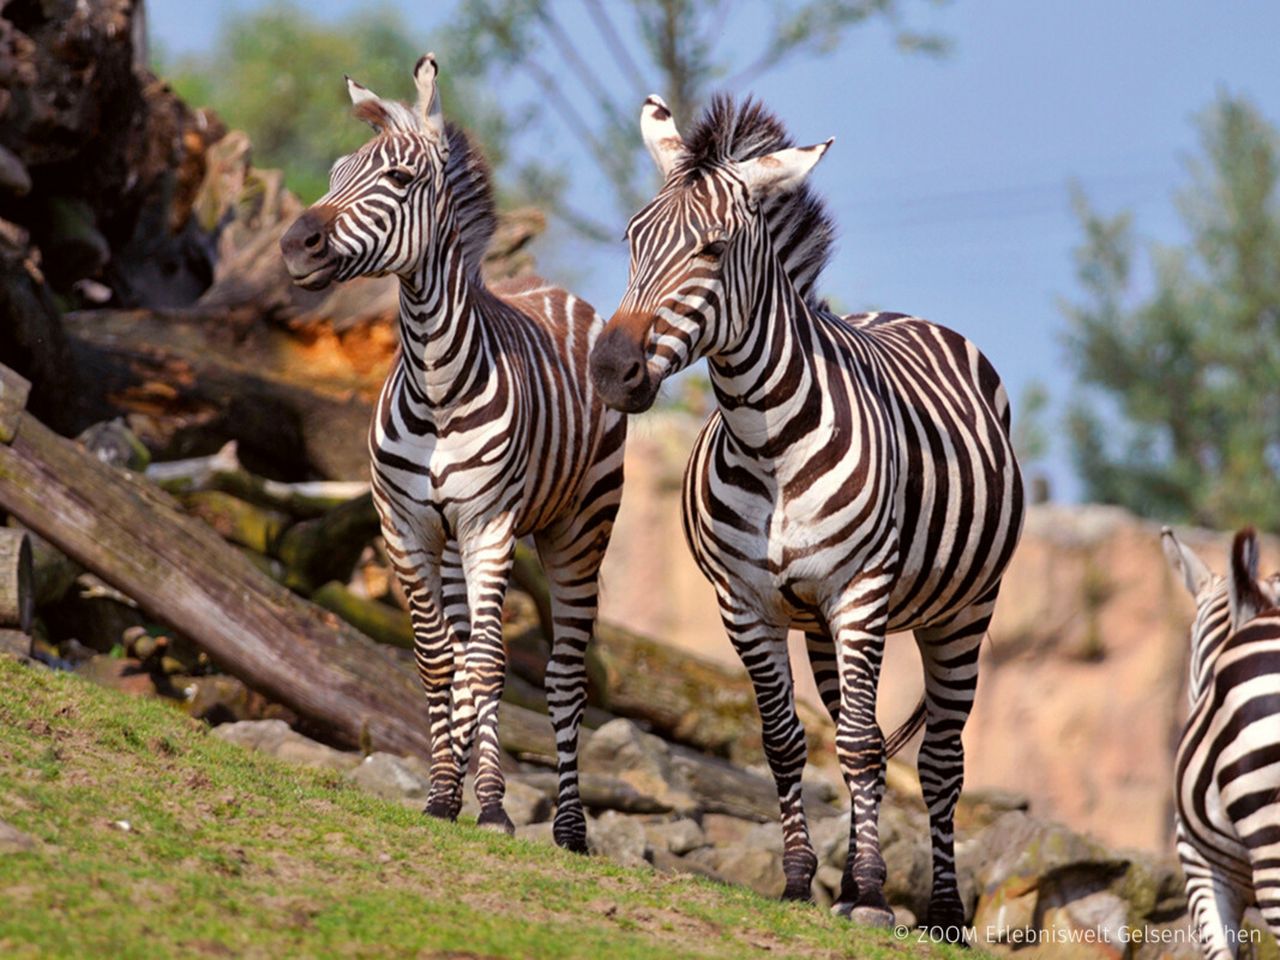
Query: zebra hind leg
763,650
949,653
1216,905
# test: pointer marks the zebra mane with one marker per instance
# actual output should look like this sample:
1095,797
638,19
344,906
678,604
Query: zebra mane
466,173
802,230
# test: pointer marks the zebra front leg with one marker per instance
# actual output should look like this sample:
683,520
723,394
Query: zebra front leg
858,626
433,652
763,649
949,653
487,555
1217,907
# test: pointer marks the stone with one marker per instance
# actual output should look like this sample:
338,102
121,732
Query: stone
524,803
828,836
13,840
753,867
389,776
667,862
274,737
1018,845
722,830
830,877
619,837
118,673
1093,926
675,836
640,760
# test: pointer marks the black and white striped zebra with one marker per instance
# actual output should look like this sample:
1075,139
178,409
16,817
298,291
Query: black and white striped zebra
487,429
1227,775
857,477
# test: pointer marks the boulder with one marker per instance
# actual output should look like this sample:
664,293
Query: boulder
391,777
640,760
620,838
675,836
274,737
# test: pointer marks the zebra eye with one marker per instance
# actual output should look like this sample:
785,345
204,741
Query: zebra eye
713,249
399,177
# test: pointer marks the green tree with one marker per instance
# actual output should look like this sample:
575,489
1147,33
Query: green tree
1180,418
592,88
276,73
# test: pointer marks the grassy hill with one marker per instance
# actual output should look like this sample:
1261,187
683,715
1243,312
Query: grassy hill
154,839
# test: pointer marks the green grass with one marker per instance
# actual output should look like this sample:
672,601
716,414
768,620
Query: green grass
230,853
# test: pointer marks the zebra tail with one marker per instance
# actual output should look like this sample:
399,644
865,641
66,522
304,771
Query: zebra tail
898,739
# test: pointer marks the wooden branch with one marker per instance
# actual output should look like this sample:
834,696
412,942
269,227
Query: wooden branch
17,581
137,538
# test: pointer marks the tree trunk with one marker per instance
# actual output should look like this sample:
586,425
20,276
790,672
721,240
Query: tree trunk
136,538
17,581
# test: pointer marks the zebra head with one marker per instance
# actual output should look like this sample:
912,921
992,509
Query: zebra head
699,247
1223,604
375,217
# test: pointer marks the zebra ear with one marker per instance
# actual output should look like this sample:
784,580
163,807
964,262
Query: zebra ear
368,105
1183,562
660,134
424,77
781,170
1245,595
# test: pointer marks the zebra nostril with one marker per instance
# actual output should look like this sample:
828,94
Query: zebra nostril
632,373
314,241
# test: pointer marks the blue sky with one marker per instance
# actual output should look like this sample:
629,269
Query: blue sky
949,178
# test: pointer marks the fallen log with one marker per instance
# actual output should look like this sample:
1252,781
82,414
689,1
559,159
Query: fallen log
180,572
17,581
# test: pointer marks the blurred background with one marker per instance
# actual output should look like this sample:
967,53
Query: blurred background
1086,190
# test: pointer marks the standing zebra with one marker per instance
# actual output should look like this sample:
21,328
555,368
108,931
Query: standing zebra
857,477
1227,775
487,429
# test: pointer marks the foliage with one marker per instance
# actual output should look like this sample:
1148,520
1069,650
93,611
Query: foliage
277,73
1188,374
592,81
230,853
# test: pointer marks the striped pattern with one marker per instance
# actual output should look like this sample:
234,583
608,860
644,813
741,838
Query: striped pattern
487,430
857,477
1227,777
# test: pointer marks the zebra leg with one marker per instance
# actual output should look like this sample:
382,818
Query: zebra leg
446,785
571,554
858,626
420,571
763,650
487,555
826,675
1217,907
949,654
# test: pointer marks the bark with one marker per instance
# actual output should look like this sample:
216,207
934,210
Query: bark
17,581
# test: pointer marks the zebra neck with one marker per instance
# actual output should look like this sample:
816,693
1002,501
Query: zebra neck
766,384
443,338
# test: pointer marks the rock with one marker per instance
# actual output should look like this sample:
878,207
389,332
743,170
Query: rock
274,737
619,837
828,836
524,803
675,836
980,808
600,791
1093,926
640,760
389,776
1007,914
1018,845
15,643
118,673
14,178
13,840
721,830
753,867
830,878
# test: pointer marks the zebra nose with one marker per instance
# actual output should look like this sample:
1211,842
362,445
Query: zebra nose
313,242
619,372
307,242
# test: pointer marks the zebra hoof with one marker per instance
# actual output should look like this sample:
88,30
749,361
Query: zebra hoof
801,890
495,818
867,916
574,842
442,809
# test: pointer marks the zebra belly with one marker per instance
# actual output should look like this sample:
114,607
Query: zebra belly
752,547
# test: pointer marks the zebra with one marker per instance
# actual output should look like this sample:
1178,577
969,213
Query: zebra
857,476
488,429
1227,772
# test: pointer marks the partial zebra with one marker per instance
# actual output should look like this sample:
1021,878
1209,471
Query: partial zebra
857,477
1227,777
487,429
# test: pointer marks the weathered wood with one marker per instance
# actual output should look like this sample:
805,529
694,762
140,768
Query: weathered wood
17,581
389,625
138,539
14,390
238,521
